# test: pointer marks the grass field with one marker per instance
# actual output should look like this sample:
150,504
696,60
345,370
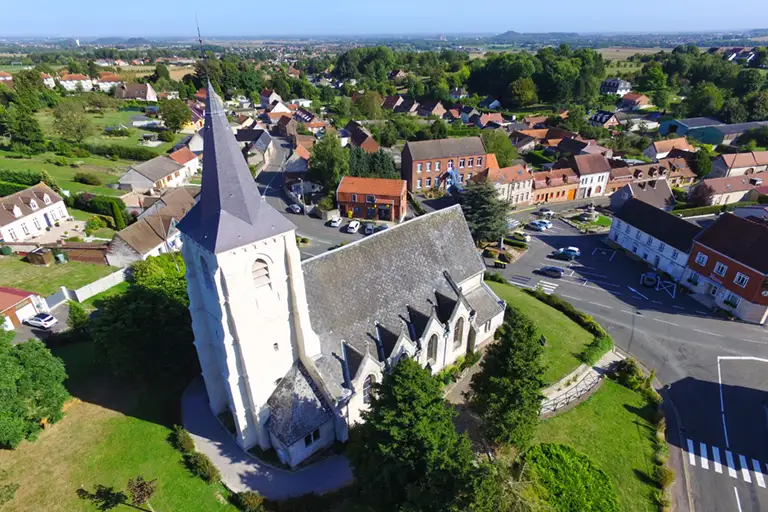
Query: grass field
565,339
176,72
16,273
109,433
94,302
613,427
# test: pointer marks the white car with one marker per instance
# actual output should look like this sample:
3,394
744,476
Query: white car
571,249
546,223
42,320
353,227
335,222
294,208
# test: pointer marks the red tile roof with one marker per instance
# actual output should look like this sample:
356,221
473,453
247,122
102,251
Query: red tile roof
75,76
9,297
302,152
375,186
182,156
4,74
665,146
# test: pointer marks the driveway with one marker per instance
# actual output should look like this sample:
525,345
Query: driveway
714,370
26,332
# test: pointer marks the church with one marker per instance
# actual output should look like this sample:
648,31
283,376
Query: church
292,348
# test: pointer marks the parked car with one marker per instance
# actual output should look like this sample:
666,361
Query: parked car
294,208
546,223
42,320
545,212
353,227
649,279
570,250
520,236
381,227
335,222
560,254
369,228
552,271
537,225
512,224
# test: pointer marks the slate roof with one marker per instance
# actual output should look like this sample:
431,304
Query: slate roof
731,129
296,408
601,116
157,168
654,192
445,148
231,212
22,199
699,122
394,278
740,239
484,302
670,229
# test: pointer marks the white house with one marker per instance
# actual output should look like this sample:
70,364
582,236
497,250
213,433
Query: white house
189,161
157,174
267,97
513,184
291,349
301,102
661,239
739,164
615,86
278,107
661,148
27,213
594,171
5,76
108,83
74,82
48,80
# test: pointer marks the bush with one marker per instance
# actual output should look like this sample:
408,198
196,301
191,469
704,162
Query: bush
327,203
117,132
181,440
94,224
597,349
126,152
515,243
496,277
202,466
664,476
81,153
6,251
87,178
166,136
27,177
628,374
249,501
7,188
584,320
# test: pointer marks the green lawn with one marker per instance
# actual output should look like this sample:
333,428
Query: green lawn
104,233
79,214
45,281
565,339
110,433
95,301
614,428
604,221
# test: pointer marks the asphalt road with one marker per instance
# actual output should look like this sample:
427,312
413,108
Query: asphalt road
715,369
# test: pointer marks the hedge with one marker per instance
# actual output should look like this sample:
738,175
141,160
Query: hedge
27,177
128,153
515,243
712,209
7,188
105,206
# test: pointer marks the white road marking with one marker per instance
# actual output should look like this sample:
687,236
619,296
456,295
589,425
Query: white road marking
744,469
729,462
691,453
754,341
722,409
665,322
628,312
601,305
548,283
716,457
710,333
637,292
701,312
678,307
704,458
738,501
569,297
758,473
589,273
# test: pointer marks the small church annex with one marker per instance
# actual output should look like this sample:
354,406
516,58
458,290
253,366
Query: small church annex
293,348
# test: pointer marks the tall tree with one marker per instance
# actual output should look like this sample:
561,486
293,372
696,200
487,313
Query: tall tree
161,71
702,163
522,92
749,81
706,99
485,212
661,98
407,454
329,162
175,114
71,122
506,392
757,106
439,129
22,126
498,143
369,105
733,111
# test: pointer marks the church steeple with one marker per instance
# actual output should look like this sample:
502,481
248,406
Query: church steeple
231,211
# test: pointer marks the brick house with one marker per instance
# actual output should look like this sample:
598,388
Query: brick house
433,163
360,137
513,184
728,266
372,198
555,186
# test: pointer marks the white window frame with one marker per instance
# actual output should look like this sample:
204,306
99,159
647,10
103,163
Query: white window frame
418,167
662,246
429,182
461,163
721,266
470,162
741,279
733,298
701,259
418,183
36,222
24,228
429,166
479,161
437,165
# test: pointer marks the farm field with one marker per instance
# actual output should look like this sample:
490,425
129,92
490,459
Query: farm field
176,72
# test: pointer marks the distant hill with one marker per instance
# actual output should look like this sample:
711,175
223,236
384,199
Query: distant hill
511,36
131,41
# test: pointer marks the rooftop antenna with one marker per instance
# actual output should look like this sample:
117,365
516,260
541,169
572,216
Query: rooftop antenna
202,53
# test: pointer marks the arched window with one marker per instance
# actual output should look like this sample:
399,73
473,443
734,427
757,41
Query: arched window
260,273
368,388
458,333
432,349
206,271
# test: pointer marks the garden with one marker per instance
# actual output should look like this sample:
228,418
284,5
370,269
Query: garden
45,281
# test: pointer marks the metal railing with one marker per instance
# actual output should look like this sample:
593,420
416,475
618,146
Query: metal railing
584,386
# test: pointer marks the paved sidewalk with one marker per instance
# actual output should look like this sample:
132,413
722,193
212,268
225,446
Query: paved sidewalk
240,471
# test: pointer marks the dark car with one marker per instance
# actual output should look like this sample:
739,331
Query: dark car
552,271
563,255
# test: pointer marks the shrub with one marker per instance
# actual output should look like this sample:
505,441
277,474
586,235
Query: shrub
117,132
249,501
595,350
7,188
94,223
327,203
81,153
181,440
27,177
664,476
515,243
127,152
87,178
496,277
628,374
6,251
202,466
166,136
471,359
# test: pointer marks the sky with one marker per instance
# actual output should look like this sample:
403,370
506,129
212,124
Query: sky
158,18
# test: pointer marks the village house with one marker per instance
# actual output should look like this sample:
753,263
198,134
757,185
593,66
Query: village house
398,74
547,137
728,267
48,80
75,82
18,305
635,101
442,162
141,92
739,164
432,108
157,174
187,159
524,144
268,97
555,185
372,198
330,333
301,102
728,190
661,148
680,174
408,106
392,102
661,239
513,184
5,76
486,119
656,193
360,137
594,172
604,119
622,175
297,165
615,86
489,103
26,214
107,82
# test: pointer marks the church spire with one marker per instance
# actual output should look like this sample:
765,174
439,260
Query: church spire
231,212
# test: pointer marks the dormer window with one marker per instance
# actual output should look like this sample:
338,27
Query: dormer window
46,199
16,211
33,204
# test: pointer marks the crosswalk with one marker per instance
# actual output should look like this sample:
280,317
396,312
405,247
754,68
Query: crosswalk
549,288
518,280
736,464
